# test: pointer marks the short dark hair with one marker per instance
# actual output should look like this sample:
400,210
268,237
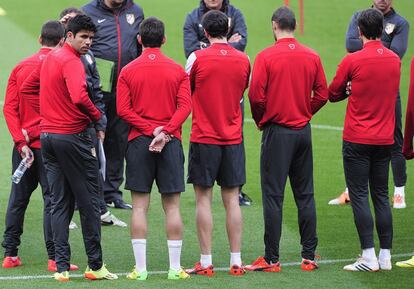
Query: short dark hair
216,23
52,32
71,10
371,23
81,22
285,19
152,32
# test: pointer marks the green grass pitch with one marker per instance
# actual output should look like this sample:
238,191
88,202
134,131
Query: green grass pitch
325,27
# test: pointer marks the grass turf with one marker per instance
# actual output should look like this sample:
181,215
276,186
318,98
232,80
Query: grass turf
325,27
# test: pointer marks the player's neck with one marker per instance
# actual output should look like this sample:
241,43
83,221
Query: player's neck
284,34
217,40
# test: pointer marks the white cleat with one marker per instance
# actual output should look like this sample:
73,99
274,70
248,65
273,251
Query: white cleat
108,219
385,264
362,265
399,202
343,199
72,225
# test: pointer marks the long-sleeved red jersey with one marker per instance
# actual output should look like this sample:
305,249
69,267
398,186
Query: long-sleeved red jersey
374,73
65,106
409,119
219,75
17,112
153,91
283,78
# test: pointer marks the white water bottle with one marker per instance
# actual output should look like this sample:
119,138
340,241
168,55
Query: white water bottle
21,169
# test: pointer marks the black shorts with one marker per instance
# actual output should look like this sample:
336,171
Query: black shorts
143,167
222,163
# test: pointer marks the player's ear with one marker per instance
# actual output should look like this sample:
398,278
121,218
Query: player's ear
164,39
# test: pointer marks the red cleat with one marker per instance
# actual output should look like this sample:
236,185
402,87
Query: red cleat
308,265
10,262
260,264
197,269
236,270
51,266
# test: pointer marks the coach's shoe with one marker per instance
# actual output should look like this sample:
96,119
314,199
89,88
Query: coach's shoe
385,264
135,275
177,274
119,204
11,262
62,277
363,265
109,219
309,265
343,199
406,264
260,264
72,225
51,266
100,274
197,269
244,199
399,201
236,270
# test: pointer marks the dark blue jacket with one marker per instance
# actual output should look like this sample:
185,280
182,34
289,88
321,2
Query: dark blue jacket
394,36
94,87
194,38
116,39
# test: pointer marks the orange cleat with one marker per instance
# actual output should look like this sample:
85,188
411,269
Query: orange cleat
260,264
197,269
309,265
236,270
51,266
343,199
10,262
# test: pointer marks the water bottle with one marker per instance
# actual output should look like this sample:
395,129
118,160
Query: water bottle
19,172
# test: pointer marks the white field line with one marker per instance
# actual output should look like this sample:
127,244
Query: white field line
290,264
317,126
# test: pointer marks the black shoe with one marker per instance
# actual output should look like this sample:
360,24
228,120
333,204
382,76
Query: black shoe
244,200
119,204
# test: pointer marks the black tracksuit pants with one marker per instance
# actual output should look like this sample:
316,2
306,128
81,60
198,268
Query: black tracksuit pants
399,170
18,201
72,173
116,141
368,165
287,153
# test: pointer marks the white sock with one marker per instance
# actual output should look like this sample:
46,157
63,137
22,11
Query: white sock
139,246
346,191
174,252
206,261
369,254
235,259
384,254
399,191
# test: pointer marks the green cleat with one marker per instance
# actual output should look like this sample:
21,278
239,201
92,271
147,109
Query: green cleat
406,264
135,275
100,274
177,274
61,277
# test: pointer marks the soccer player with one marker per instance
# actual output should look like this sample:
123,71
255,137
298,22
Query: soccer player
368,136
394,37
23,123
195,39
153,97
282,105
67,149
116,41
98,130
408,142
219,75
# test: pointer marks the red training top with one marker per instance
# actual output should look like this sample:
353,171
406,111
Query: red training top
409,119
284,76
374,73
18,114
219,75
65,106
153,91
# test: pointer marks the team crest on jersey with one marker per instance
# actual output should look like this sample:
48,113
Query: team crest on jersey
389,28
380,50
292,46
151,56
223,52
88,58
130,18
